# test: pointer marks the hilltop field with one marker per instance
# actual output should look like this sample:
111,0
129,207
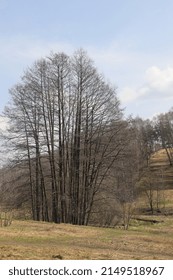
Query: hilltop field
144,240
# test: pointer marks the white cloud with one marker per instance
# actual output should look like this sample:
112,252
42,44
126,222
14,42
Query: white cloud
128,94
158,83
160,80
130,71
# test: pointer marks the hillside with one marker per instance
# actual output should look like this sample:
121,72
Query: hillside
145,239
38,240
162,170
157,185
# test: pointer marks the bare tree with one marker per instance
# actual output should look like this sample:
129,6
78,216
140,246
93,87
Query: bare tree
66,123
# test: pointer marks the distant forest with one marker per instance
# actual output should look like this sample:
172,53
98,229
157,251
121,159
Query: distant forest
74,157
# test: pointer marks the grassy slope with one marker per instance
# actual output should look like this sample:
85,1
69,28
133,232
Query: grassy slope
160,165
38,240
33,240
162,178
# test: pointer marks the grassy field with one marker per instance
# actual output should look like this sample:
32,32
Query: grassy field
48,241
38,240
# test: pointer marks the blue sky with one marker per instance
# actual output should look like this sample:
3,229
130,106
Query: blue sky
131,42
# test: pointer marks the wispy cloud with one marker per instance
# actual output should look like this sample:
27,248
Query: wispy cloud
160,79
138,76
128,94
20,48
157,84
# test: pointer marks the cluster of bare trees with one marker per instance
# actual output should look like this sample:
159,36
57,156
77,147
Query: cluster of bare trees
73,154
66,128
157,134
163,125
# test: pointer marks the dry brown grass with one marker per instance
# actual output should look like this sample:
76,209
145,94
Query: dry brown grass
25,240
161,176
38,240
161,168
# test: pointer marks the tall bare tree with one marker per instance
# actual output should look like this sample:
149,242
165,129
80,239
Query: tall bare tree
66,122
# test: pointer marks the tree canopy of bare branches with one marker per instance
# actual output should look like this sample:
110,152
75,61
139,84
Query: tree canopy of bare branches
65,126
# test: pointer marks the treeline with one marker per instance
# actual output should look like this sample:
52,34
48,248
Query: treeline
73,152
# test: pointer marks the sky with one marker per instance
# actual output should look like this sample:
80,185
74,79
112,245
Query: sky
130,42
